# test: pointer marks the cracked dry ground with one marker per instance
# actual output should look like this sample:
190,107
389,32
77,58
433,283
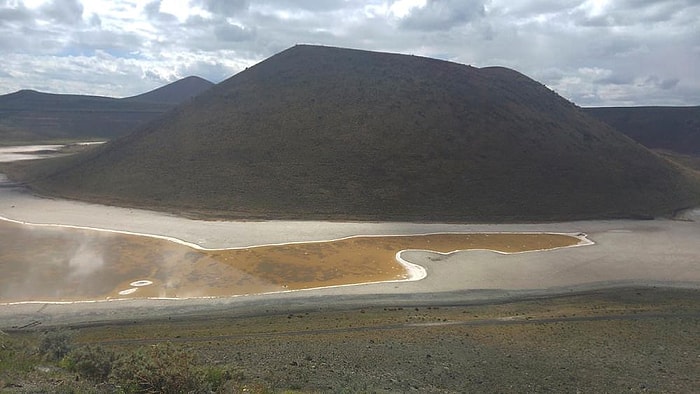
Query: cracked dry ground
637,340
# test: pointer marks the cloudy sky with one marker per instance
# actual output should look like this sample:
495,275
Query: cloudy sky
593,52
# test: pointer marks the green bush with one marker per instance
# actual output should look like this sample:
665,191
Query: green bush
157,368
54,345
214,377
90,362
15,355
162,368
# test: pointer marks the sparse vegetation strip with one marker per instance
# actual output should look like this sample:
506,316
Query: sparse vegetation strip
606,340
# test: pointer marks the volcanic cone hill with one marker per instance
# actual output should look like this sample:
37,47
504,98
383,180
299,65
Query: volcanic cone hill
320,132
28,115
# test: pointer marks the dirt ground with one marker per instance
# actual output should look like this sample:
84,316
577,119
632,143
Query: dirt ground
617,340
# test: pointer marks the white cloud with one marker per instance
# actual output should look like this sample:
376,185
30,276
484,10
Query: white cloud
644,51
438,15
63,11
403,8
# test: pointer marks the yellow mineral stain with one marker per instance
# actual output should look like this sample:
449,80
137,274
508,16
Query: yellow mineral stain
63,264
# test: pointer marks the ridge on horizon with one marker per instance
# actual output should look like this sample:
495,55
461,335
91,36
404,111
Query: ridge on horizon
29,116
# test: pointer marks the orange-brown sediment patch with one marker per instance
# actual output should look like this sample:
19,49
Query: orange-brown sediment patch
367,259
60,264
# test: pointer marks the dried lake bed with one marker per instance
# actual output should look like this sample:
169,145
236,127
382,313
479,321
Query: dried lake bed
625,252
30,152
52,263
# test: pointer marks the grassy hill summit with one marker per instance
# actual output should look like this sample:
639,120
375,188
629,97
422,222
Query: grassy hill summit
332,133
29,116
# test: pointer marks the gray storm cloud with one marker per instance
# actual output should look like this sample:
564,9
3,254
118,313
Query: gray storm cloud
121,48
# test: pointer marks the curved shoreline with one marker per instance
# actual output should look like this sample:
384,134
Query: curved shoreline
583,240
415,272
627,253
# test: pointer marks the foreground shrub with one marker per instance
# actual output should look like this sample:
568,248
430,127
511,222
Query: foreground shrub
158,368
15,356
219,378
163,368
54,345
90,362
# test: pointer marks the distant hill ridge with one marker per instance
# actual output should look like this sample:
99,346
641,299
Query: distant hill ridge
174,93
670,128
27,99
28,115
333,133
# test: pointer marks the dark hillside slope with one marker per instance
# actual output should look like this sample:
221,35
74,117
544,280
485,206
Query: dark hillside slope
174,93
29,115
669,128
319,132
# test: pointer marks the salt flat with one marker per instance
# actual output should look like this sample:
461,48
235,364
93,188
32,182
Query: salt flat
626,252
15,153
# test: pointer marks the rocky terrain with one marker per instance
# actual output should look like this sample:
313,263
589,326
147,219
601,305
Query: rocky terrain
617,340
